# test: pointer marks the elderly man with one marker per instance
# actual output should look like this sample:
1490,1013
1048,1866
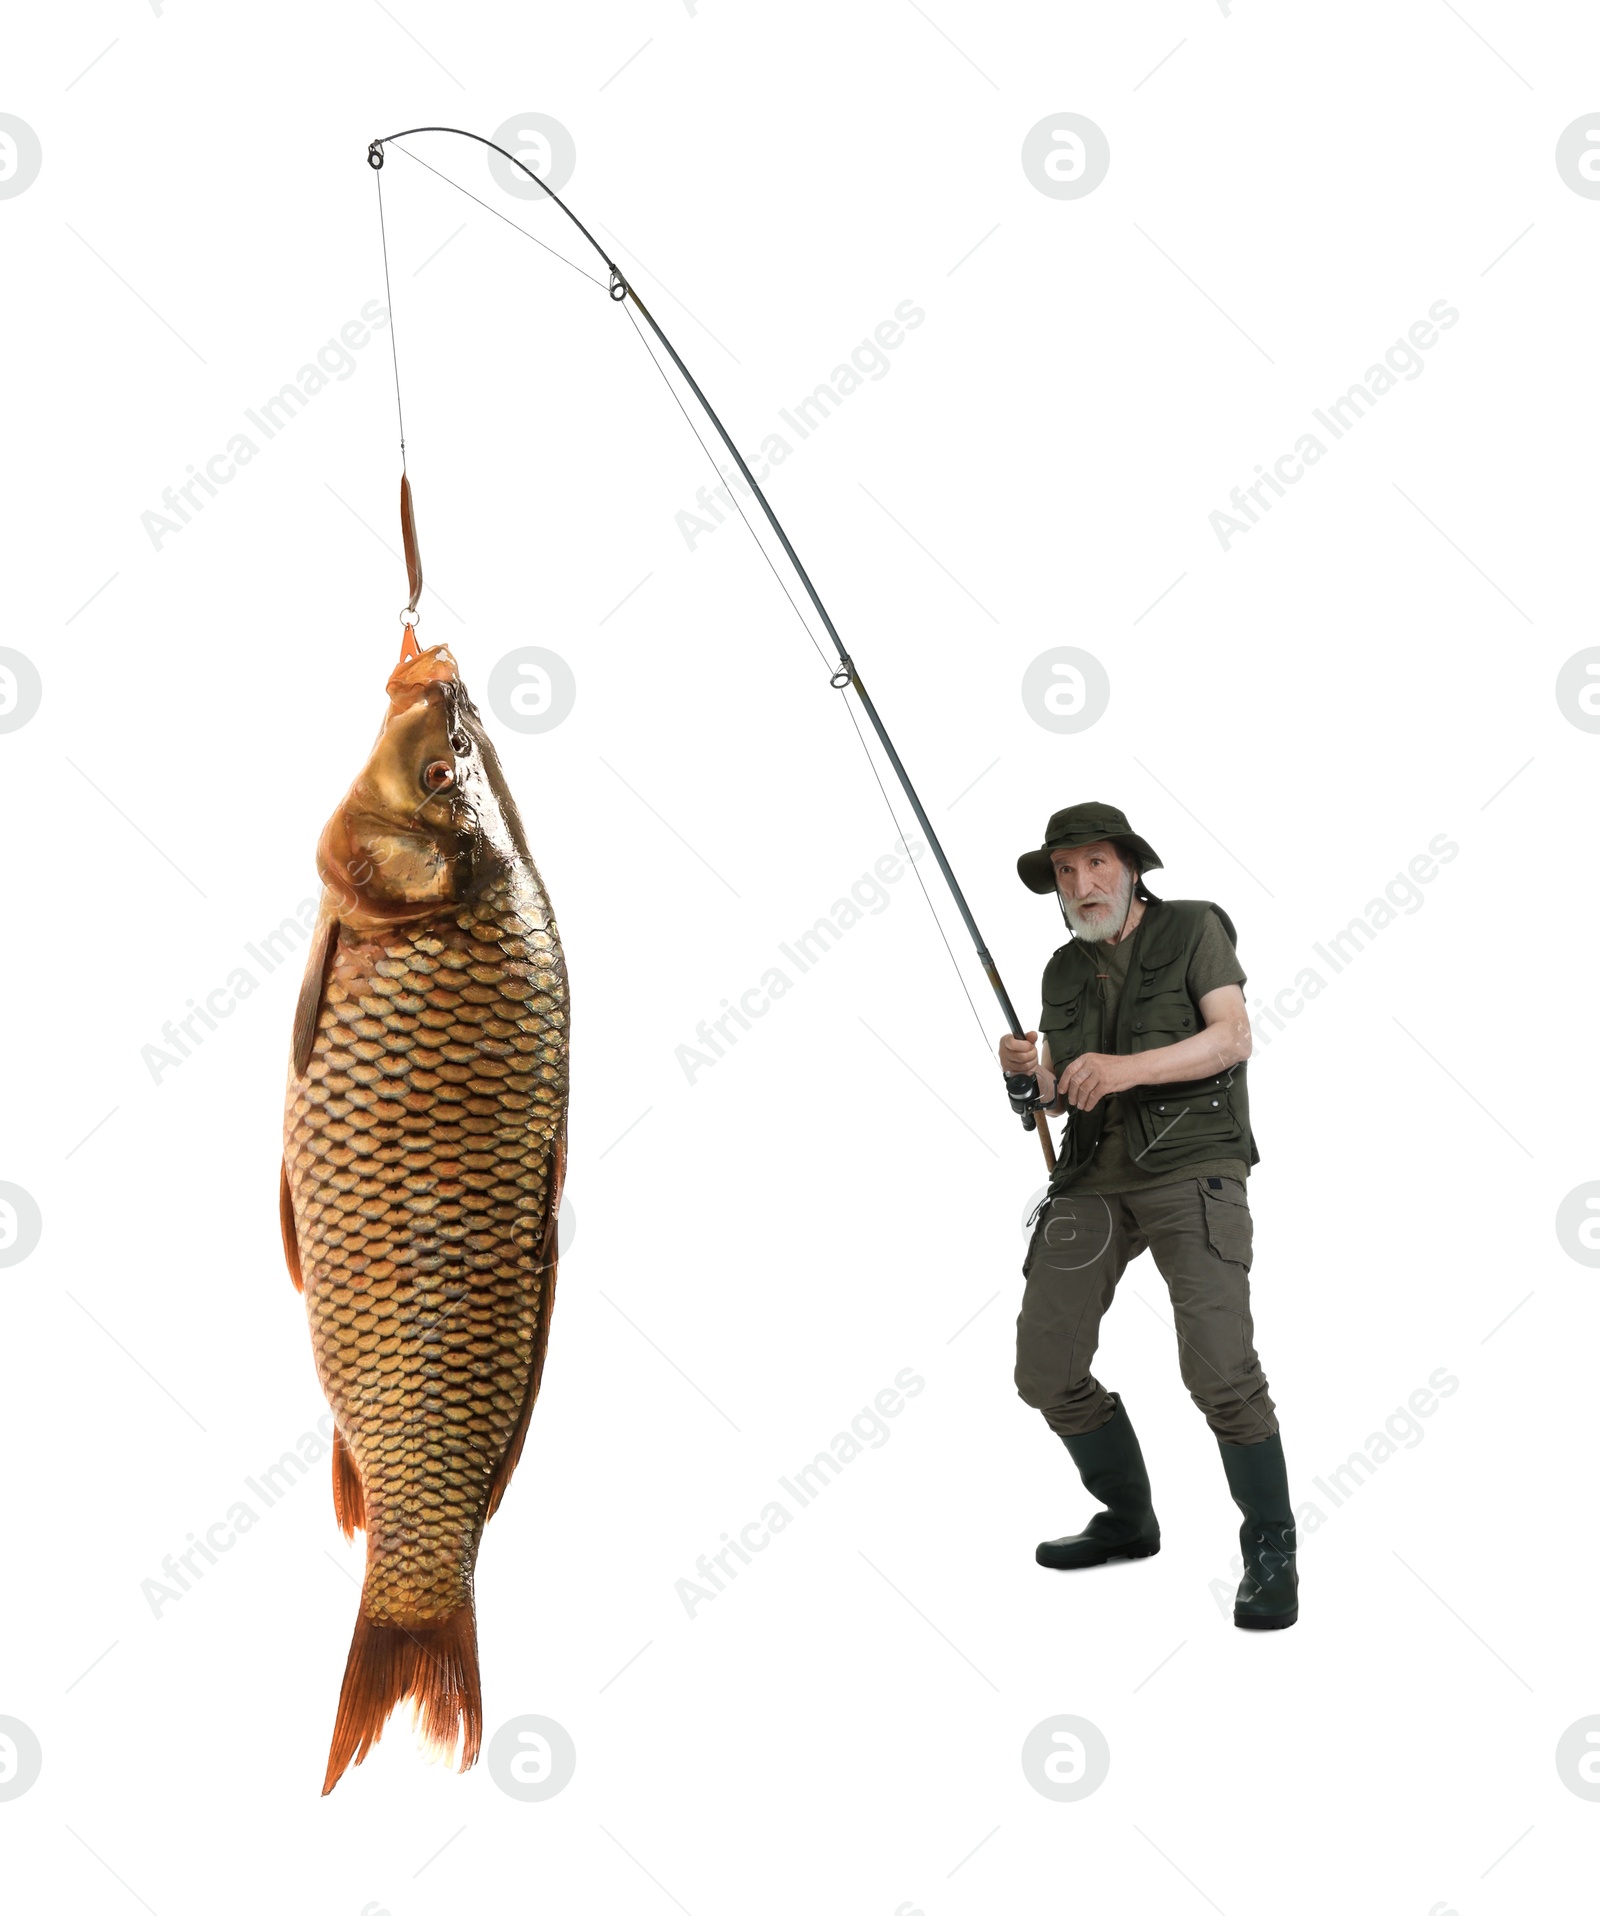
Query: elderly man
1142,1040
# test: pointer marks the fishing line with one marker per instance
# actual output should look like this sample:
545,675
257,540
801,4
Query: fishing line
916,871
383,235
729,489
500,216
1022,1091
733,496
805,627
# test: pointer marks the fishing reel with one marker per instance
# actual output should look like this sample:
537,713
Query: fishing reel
1023,1092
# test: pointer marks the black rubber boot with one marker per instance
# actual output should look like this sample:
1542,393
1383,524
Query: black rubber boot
1269,1596
1112,1468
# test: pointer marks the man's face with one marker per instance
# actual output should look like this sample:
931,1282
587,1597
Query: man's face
1096,890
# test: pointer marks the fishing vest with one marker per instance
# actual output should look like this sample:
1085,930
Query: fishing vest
1168,1126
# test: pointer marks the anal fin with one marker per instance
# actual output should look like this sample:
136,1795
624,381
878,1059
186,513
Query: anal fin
349,1497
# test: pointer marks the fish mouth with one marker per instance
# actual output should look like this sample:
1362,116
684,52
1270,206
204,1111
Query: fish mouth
411,678
413,682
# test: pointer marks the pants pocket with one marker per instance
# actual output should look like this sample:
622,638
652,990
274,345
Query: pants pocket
1230,1230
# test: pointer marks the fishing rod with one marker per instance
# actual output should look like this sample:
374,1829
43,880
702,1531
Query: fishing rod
1021,1089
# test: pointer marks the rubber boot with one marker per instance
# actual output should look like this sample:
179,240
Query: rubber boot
1269,1596
1112,1468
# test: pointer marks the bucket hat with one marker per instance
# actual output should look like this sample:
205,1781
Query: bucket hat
1084,824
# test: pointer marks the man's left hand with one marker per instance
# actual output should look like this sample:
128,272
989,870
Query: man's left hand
1094,1076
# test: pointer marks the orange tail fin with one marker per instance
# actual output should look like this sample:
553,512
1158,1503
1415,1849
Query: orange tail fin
435,1664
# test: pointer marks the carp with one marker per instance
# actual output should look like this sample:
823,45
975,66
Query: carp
424,1150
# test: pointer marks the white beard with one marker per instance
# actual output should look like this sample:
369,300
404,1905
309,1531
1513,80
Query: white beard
1104,924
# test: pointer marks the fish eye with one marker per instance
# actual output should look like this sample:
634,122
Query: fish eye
439,776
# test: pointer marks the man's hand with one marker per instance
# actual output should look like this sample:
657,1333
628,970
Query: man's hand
1020,1054
1094,1076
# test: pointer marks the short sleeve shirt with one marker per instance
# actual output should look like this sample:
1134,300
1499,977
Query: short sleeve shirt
1215,963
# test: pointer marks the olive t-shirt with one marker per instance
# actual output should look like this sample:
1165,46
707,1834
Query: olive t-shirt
1112,1169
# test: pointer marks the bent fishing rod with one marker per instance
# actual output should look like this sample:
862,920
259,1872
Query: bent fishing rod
1021,1089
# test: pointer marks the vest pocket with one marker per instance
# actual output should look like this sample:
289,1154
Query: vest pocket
1167,1019
1171,1125
1061,1025
1198,1110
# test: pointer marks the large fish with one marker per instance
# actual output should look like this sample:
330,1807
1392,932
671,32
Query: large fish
424,1148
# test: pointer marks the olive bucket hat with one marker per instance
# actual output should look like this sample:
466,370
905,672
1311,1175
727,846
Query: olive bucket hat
1081,825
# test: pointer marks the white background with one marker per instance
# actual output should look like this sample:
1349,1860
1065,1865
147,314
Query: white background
839,1197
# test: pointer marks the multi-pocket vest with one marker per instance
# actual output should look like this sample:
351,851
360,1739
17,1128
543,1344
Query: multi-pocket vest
1168,1126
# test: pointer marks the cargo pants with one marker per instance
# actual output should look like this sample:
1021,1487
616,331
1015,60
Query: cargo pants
1199,1232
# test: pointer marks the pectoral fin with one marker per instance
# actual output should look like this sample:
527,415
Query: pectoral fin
324,942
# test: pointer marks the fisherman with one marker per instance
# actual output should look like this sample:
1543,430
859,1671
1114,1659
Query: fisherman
1142,1040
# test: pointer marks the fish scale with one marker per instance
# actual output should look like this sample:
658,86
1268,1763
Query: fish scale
419,1147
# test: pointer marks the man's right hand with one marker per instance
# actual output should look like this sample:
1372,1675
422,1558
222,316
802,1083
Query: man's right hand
1020,1055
